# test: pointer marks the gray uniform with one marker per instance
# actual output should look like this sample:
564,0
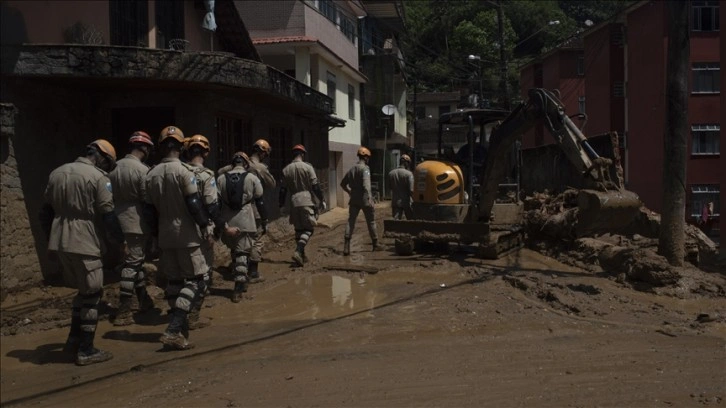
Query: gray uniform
260,170
358,180
207,186
129,186
182,260
79,192
401,182
299,178
243,218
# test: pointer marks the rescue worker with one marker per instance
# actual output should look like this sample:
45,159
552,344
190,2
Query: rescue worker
261,150
357,183
78,210
238,188
196,149
128,182
178,217
401,182
300,180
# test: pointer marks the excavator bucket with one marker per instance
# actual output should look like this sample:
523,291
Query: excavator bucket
602,212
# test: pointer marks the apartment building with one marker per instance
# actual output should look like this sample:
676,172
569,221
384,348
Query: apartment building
623,90
316,42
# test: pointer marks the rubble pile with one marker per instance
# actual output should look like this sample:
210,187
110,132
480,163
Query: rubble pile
630,254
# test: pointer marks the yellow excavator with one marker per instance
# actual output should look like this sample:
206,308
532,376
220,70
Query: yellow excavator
448,208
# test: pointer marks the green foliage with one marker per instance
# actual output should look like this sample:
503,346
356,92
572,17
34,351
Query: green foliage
441,34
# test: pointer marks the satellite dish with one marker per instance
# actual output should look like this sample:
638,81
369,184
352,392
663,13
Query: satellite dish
388,109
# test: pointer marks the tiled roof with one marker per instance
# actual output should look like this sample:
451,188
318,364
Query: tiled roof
282,40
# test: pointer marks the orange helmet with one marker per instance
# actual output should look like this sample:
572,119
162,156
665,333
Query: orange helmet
198,140
173,132
105,147
364,152
141,137
406,158
299,147
262,146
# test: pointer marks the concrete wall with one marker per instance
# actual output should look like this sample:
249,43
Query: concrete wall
722,171
18,259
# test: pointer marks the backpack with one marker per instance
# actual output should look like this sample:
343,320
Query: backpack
236,190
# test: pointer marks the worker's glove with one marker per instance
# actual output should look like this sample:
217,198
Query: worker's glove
323,206
263,224
209,234
232,232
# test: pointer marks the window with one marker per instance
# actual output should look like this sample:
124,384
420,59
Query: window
328,9
331,88
444,109
420,112
347,26
581,104
580,64
169,23
706,77
704,15
129,22
351,101
702,194
706,139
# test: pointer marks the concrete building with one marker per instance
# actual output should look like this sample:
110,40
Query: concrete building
315,42
624,83
74,71
429,107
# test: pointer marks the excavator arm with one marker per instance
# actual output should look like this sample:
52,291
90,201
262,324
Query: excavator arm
544,106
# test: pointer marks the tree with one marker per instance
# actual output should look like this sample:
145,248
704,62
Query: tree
671,242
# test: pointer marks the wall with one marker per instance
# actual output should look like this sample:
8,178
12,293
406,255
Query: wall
266,19
598,79
45,20
646,53
18,258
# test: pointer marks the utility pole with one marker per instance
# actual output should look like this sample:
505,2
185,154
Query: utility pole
502,56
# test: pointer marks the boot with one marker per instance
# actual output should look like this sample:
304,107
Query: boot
297,257
346,247
377,246
87,354
173,336
146,303
74,337
240,287
124,315
254,272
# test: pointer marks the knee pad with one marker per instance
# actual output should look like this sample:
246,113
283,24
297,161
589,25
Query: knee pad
240,263
187,296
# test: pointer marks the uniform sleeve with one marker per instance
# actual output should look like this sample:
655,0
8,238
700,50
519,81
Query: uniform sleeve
410,182
188,182
312,175
346,181
266,178
256,187
142,186
104,195
209,189
147,189
221,187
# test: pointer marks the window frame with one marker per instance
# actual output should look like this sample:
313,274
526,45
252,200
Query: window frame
697,8
699,78
701,131
330,78
702,194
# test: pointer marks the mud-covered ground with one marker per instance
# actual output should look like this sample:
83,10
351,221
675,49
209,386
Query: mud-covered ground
377,329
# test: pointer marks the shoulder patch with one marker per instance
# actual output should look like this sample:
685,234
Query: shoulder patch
193,179
213,182
109,187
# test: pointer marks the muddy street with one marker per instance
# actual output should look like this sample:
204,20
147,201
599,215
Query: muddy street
377,329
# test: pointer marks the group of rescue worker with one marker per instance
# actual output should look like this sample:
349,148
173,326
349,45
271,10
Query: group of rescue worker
97,201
